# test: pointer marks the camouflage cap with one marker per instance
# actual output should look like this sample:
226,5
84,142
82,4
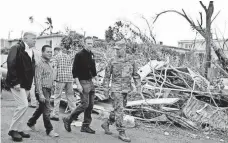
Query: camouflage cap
120,44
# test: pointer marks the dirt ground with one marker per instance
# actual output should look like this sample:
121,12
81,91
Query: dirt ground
143,133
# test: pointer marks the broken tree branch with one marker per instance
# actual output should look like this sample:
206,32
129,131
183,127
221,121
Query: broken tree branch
201,19
221,56
181,77
204,7
198,28
224,43
174,89
163,80
166,82
131,23
220,68
151,34
158,15
215,16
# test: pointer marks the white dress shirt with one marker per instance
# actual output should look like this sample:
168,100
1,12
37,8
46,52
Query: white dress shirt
28,50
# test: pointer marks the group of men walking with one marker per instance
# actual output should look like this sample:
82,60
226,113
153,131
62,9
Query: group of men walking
67,68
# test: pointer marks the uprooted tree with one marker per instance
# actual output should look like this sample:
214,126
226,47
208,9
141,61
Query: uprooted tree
205,32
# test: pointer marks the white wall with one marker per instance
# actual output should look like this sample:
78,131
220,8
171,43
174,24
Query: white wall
200,46
3,58
56,41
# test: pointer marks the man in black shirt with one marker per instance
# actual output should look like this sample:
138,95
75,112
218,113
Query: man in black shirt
84,70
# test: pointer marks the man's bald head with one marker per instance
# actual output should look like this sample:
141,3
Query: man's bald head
30,39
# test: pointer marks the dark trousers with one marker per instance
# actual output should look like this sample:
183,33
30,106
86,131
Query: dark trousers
87,102
45,109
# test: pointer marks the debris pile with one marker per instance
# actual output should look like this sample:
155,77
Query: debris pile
176,95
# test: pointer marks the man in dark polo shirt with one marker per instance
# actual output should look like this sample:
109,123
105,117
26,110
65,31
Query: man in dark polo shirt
84,70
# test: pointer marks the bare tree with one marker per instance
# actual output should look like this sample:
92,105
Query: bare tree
136,31
150,29
205,32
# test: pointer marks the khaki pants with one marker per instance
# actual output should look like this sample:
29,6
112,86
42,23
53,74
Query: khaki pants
33,101
19,113
68,86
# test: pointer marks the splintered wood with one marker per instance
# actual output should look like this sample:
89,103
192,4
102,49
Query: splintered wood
205,111
168,91
153,101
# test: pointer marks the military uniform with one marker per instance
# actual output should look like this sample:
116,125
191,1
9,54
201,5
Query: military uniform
121,70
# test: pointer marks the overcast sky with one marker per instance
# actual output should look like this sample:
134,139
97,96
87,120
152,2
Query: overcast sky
94,16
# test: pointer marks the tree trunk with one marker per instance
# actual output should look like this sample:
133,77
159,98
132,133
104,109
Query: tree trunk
208,57
208,54
206,33
208,39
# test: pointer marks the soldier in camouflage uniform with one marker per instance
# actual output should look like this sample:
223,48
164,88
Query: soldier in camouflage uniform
122,70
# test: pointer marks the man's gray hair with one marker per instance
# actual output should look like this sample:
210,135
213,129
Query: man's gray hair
28,33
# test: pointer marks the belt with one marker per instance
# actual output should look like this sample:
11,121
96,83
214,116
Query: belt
85,81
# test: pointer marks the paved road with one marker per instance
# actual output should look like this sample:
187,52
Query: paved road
137,135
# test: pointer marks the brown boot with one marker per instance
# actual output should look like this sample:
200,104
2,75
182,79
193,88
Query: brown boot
124,137
105,126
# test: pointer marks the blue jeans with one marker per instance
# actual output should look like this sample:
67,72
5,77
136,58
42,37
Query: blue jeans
45,109
87,102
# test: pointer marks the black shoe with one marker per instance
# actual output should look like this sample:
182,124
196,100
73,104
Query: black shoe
87,129
54,118
15,136
67,124
24,135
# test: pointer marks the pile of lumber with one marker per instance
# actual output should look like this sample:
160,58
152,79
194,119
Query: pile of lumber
171,94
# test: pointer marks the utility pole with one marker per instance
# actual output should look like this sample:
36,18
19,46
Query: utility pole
9,34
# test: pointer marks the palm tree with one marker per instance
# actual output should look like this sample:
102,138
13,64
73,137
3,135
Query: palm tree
50,26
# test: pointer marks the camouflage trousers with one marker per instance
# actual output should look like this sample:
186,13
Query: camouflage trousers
119,101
